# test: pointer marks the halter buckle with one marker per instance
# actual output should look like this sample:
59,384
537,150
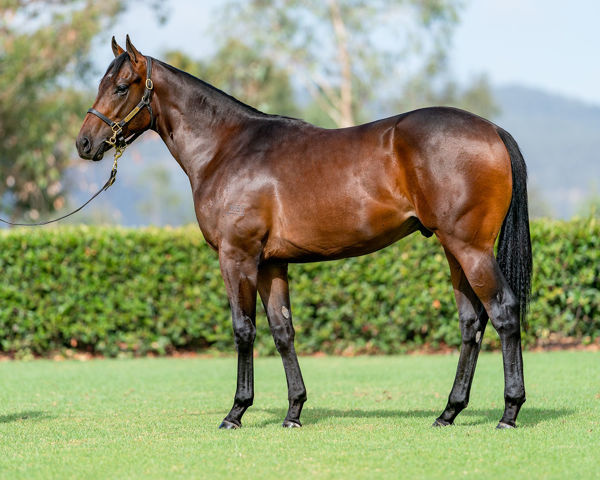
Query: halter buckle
149,84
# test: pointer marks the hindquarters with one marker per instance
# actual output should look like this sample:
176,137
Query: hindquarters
456,173
467,180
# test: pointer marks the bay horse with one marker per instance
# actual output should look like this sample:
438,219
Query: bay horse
271,190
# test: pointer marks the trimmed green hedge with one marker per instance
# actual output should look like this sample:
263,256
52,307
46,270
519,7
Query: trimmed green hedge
117,291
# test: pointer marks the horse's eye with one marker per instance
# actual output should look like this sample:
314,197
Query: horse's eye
122,89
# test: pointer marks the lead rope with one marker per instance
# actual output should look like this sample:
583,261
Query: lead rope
119,149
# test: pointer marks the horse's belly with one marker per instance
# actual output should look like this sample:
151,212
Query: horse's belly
347,205
335,237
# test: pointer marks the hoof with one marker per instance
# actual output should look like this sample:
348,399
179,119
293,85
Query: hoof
291,424
502,426
227,425
440,423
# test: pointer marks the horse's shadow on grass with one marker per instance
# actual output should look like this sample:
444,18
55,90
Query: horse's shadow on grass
33,415
528,417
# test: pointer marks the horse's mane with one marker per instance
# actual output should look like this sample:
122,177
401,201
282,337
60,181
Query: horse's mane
205,86
208,90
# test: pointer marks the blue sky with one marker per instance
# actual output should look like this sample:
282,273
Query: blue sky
553,45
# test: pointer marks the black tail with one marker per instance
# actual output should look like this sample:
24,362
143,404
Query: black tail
514,245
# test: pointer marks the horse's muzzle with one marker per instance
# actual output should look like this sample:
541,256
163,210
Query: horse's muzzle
88,151
103,147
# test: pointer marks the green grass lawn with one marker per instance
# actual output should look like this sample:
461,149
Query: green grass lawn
366,417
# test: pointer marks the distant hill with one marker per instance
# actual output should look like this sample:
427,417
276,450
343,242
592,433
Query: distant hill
559,137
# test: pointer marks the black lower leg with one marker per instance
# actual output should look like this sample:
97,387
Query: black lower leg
244,394
239,273
274,292
473,320
296,388
491,288
506,321
514,390
469,352
283,334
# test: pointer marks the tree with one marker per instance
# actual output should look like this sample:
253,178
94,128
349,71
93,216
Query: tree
476,97
44,46
348,53
38,114
239,71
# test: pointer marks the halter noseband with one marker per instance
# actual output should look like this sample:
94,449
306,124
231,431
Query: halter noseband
118,139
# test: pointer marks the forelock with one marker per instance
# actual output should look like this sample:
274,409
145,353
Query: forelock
116,64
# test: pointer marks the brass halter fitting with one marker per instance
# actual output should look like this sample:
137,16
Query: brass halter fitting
116,129
113,173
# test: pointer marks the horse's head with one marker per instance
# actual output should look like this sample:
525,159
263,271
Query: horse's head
125,87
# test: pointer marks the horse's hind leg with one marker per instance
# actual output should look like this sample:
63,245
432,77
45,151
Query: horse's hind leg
274,292
473,320
490,286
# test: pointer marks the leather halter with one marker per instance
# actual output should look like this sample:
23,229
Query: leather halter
118,139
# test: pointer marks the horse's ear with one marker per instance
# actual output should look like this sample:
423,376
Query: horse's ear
133,52
116,48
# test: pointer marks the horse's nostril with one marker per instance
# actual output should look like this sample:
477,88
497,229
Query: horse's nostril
85,145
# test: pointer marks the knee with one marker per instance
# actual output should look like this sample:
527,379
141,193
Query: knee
244,334
470,327
283,335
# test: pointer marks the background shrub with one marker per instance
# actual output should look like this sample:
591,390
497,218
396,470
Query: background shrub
118,291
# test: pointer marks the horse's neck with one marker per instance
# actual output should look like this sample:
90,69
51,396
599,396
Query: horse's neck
194,119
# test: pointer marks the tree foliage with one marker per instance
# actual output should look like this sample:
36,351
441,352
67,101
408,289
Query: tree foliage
43,45
476,97
44,53
241,72
349,53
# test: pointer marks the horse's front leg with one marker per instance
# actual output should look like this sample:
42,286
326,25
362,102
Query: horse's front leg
274,292
240,272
